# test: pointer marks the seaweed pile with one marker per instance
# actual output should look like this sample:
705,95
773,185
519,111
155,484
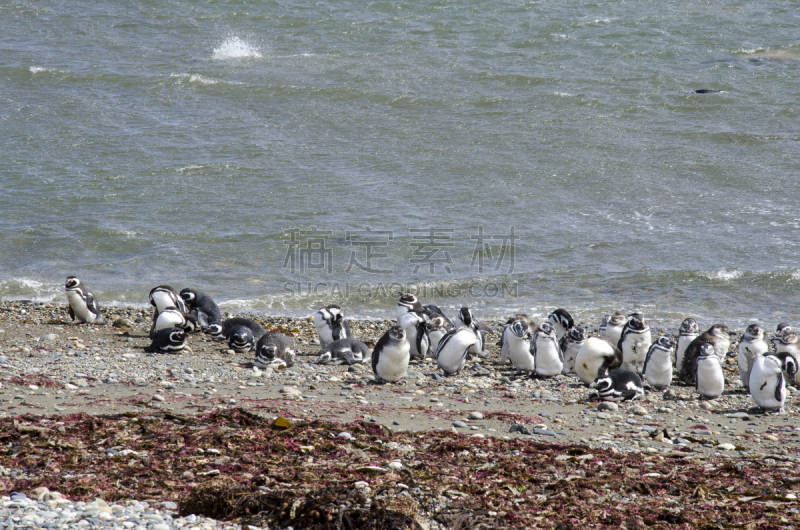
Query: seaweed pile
235,465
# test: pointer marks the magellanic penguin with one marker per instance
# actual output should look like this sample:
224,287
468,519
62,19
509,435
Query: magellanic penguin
163,297
614,326
436,328
274,349
168,340
618,385
410,303
331,325
174,317
414,325
347,351
82,304
767,384
451,355
519,317
658,364
634,343
788,342
517,345
391,355
718,336
751,346
561,321
688,331
597,357
465,319
570,345
220,331
546,353
202,307
710,379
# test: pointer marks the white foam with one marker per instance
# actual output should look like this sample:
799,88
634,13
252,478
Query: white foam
235,48
724,275
39,69
196,78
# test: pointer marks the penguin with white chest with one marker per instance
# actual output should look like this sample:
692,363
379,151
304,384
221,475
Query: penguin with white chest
767,383
619,385
163,297
570,345
331,325
414,325
787,341
752,344
718,336
347,351
710,379
597,357
167,340
464,318
174,317
274,349
688,331
561,321
83,305
614,326
436,328
504,335
220,331
451,355
658,364
547,354
391,355
518,347
634,343
202,307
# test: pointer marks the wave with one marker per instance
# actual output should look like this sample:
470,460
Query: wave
235,48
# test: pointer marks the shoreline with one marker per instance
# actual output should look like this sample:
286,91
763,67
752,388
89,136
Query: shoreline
54,371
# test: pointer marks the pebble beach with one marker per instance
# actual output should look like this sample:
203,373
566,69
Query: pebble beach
165,430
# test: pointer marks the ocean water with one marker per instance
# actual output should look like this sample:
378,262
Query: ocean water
506,155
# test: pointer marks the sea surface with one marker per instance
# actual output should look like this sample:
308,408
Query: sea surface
505,155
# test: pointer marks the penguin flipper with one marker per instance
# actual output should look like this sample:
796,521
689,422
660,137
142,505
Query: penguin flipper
629,394
779,389
151,348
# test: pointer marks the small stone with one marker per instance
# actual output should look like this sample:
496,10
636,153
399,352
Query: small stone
475,415
639,410
607,406
395,465
460,424
544,432
603,416
346,435
726,447
158,397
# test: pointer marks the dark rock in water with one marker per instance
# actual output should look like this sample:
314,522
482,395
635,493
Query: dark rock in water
707,91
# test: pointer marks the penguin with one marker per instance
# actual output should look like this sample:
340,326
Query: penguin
561,321
465,319
201,307
523,317
518,347
436,328
173,317
167,340
391,355
718,336
348,351
409,303
274,349
547,355
688,331
220,331
451,355
414,325
331,325
657,368
596,357
241,339
614,326
570,345
601,330
710,379
163,297
82,304
619,385
751,346
767,383
634,343
434,311
788,342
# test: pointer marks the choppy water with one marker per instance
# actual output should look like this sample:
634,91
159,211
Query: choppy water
148,142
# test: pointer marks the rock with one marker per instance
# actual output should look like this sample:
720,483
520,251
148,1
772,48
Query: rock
48,337
370,470
738,416
726,447
291,391
158,397
607,406
544,432
522,429
460,424
603,416
281,423
639,410
83,383
395,465
475,415
346,435
123,323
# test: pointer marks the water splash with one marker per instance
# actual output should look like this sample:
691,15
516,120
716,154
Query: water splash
235,48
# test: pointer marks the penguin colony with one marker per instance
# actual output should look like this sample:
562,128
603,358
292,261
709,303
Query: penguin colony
617,362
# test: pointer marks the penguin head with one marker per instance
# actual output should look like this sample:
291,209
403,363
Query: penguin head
162,289
465,316
689,326
408,300
336,313
397,333
189,296
636,322
177,336
666,342
788,336
779,329
577,334
562,317
72,284
436,323
267,351
546,330
602,383
790,365
707,350
215,330
754,332
720,330
190,323
520,329
617,319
